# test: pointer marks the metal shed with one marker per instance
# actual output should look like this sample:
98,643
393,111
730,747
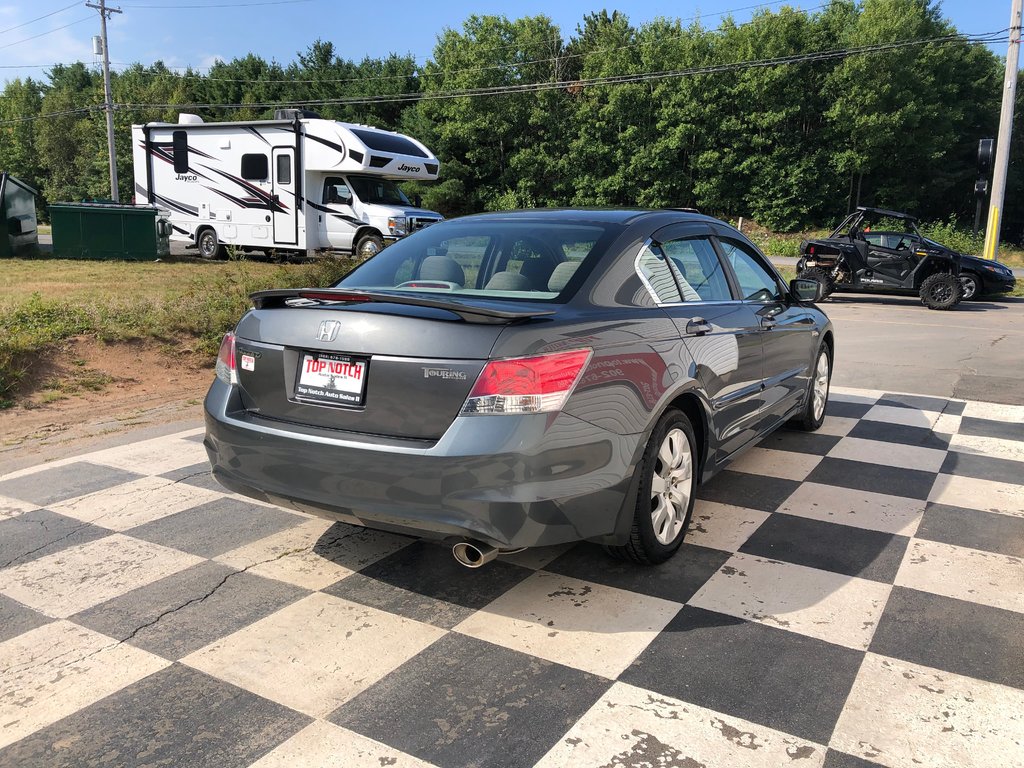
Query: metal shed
18,236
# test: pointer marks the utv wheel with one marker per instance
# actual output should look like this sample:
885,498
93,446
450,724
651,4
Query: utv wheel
828,285
941,291
369,245
664,501
209,245
969,284
813,415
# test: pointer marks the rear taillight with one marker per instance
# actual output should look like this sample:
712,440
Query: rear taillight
527,384
226,370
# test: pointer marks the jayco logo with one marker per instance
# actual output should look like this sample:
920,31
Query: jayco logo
186,177
409,168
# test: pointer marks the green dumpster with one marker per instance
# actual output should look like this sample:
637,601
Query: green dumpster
109,231
17,218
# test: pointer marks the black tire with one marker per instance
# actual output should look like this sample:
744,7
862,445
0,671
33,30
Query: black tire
644,545
971,286
813,416
941,291
368,246
828,285
209,245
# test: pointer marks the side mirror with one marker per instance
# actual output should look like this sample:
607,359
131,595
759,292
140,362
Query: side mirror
417,200
807,290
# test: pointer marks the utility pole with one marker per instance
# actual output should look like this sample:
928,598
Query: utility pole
108,101
995,210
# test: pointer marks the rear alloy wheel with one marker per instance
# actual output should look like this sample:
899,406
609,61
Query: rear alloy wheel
820,276
668,485
813,414
369,245
209,245
941,291
969,284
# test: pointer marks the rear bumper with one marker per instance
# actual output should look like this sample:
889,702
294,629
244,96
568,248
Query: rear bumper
511,481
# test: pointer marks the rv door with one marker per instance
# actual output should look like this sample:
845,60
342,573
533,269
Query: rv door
285,214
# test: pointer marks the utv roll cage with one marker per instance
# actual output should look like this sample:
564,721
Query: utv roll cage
852,222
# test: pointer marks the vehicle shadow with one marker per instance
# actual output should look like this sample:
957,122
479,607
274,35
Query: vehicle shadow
975,305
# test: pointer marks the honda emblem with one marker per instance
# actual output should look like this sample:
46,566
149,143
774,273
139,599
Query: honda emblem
328,330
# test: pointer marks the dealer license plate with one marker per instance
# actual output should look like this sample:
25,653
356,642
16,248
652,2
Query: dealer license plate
331,379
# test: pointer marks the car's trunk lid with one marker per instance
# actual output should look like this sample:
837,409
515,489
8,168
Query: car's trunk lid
400,367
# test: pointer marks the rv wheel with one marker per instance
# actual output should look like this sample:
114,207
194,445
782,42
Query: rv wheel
369,245
209,245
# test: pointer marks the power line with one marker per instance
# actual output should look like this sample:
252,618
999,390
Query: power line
43,34
133,6
584,83
535,87
38,18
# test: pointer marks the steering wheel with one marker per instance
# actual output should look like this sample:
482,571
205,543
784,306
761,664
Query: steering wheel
442,284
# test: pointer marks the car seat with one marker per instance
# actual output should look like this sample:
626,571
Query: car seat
442,268
508,281
561,275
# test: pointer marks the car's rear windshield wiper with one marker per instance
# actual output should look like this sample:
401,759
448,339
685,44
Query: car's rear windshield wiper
473,313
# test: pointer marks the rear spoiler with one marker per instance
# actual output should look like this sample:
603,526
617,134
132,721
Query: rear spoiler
471,313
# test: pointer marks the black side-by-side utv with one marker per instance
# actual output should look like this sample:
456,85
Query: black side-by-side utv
853,258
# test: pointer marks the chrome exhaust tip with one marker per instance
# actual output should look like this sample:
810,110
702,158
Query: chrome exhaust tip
473,554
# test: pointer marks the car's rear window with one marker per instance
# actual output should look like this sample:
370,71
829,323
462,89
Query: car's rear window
533,260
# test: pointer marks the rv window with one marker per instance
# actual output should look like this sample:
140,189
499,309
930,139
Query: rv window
284,169
388,142
336,191
255,167
179,145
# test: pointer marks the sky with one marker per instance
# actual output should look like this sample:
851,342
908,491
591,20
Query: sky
197,32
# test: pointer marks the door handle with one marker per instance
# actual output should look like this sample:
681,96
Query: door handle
698,327
767,323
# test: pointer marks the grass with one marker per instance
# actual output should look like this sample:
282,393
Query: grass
184,304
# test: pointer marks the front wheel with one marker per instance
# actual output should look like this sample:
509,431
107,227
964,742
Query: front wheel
941,291
813,414
969,284
369,245
665,497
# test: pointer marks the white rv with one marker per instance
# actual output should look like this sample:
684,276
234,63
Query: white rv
295,183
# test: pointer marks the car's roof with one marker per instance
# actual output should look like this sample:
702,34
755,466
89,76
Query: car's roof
887,213
596,215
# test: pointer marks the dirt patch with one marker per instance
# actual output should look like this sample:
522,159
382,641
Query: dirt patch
86,388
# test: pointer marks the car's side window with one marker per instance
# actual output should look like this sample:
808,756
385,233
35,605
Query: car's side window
698,269
653,269
756,281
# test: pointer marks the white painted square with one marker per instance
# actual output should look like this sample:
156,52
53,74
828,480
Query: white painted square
848,506
151,457
772,463
901,714
13,507
966,574
325,745
79,577
722,526
855,395
994,447
630,726
139,501
55,670
888,454
592,627
974,493
1013,414
829,606
837,426
289,555
315,654
909,417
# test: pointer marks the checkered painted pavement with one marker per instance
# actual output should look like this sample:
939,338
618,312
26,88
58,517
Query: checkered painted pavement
849,598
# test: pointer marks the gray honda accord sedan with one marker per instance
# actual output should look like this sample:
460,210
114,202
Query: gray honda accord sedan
521,379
